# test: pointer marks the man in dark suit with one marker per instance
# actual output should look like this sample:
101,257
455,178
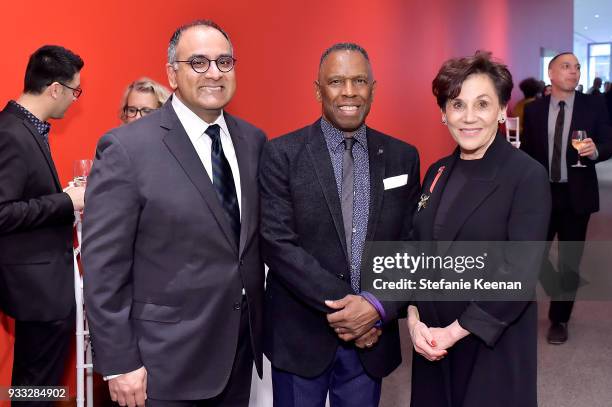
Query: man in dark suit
173,276
326,189
36,262
549,123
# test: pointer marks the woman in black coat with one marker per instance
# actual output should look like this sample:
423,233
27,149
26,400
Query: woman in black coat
478,353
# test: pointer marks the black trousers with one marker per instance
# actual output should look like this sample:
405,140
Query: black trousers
567,226
238,389
40,353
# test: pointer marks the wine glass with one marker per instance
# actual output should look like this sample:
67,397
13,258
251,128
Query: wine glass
578,137
81,171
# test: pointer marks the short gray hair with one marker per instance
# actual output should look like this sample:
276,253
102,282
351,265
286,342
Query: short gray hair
344,46
174,40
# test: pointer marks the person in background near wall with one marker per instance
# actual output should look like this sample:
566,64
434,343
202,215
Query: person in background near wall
580,88
595,89
36,217
530,88
547,90
174,281
549,123
607,85
140,98
326,189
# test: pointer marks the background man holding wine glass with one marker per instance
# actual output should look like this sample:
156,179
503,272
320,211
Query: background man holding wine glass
552,123
36,218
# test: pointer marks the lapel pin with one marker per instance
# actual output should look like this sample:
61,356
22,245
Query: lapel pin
425,197
380,150
422,202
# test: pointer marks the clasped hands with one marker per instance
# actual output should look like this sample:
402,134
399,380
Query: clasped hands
354,320
432,343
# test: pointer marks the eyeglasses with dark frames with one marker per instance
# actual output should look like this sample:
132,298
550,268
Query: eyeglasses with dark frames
76,92
201,64
132,111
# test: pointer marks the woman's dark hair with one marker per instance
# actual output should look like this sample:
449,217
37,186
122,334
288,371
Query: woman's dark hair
48,64
447,83
530,87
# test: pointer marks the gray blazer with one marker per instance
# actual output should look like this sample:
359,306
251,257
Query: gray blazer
163,272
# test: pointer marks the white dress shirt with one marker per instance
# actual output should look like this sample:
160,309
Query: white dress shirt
195,128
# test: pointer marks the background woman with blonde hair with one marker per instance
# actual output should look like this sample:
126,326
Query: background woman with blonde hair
140,98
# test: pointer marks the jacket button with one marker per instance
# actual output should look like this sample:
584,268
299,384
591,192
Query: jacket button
341,276
241,262
237,306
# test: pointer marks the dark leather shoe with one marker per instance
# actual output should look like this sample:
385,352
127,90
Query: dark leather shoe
557,333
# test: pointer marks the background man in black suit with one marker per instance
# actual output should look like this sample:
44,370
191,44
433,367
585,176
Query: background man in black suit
173,276
36,263
326,189
549,123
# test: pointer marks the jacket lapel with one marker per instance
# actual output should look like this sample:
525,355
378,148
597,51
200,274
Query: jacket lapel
245,167
431,196
321,162
45,151
540,137
38,139
544,130
182,149
376,157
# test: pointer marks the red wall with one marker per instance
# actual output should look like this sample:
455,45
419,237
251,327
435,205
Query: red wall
278,44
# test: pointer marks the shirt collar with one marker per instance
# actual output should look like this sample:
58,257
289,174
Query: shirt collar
335,137
193,124
42,127
569,102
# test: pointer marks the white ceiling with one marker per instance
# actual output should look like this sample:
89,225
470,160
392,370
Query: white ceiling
593,20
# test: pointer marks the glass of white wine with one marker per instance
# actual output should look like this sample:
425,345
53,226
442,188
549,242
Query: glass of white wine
578,137
81,171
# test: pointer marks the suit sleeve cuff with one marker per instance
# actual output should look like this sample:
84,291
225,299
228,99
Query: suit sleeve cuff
377,305
482,324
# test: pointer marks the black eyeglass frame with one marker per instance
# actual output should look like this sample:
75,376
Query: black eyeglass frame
76,92
193,60
125,113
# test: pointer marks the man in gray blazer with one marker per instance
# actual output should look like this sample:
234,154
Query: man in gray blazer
173,277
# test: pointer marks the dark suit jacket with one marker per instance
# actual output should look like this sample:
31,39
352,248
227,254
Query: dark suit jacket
163,273
508,201
36,263
305,249
589,114
608,99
